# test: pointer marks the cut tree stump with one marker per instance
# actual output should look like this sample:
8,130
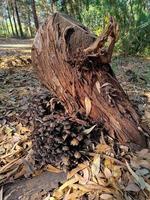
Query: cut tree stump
74,65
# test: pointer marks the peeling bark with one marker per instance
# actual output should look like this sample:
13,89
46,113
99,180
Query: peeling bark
74,65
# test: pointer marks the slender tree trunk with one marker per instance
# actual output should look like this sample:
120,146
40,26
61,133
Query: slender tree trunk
36,22
18,19
29,23
7,27
29,18
4,28
10,21
14,19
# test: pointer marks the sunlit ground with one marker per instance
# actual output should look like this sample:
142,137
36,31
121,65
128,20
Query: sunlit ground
11,46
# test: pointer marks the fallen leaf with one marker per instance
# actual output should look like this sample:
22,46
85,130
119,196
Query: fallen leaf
107,173
8,130
86,175
89,130
50,198
68,183
108,163
76,194
80,179
142,153
102,148
66,197
106,84
95,168
106,196
88,105
101,181
87,187
76,170
116,172
142,172
132,187
51,168
139,179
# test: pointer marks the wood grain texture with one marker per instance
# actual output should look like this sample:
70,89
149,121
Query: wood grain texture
74,65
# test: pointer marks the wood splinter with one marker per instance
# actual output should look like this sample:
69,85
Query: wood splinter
105,53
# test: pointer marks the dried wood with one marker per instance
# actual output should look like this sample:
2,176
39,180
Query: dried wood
75,66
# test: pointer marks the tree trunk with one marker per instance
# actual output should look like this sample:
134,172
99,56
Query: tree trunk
18,19
74,64
29,21
4,29
14,19
36,22
10,21
7,27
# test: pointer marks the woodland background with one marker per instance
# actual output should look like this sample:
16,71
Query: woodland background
21,18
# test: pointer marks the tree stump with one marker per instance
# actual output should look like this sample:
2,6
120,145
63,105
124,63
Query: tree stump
74,64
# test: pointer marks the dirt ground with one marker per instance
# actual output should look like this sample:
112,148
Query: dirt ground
18,85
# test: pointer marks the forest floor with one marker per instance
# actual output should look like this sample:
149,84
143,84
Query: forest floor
19,85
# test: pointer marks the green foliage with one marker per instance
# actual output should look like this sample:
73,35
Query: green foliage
133,17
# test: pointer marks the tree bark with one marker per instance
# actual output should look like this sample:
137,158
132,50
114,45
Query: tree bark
14,19
29,21
7,27
10,21
74,65
18,19
36,22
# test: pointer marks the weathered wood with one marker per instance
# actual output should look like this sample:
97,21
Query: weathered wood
74,64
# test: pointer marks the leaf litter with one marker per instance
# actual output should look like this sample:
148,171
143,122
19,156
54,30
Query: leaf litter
106,174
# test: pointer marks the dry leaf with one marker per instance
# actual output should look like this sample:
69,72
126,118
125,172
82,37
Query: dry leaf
108,163
139,179
107,173
106,84
68,183
58,194
140,163
76,194
76,170
8,130
132,187
95,168
88,187
89,130
101,181
66,197
86,175
51,168
116,172
106,196
88,105
102,148
142,172
142,153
